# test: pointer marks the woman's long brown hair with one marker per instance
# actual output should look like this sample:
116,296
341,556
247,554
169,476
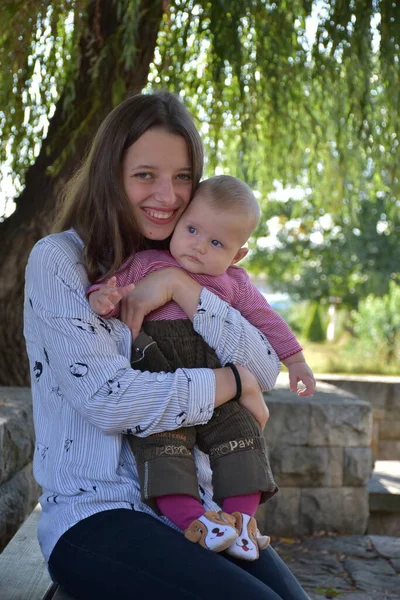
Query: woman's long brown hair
94,202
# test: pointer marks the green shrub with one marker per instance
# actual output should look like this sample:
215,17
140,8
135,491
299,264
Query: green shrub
377,325
314,330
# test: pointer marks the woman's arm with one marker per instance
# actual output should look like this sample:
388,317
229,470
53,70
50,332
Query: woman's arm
233,338
83,358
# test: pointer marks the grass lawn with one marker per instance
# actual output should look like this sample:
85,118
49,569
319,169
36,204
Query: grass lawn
337,357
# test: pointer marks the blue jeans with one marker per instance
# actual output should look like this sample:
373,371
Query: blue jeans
128,554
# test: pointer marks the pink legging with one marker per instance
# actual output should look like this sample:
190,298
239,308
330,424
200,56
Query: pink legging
182,510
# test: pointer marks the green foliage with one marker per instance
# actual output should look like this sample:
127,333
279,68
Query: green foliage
276,106
372,347
35,47
318,255
342,356
377,325
314,330
274,101
40,53
296,315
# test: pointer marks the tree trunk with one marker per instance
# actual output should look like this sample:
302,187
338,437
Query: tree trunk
33,216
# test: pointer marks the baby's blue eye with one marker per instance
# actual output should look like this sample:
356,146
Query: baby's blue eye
191,229
216,243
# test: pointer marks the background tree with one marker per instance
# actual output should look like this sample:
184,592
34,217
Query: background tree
275,101
318,255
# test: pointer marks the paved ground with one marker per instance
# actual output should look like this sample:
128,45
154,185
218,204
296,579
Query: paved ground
358,567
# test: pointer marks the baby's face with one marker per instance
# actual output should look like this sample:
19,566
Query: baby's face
207,240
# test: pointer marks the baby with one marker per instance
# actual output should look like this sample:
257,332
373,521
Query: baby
207,242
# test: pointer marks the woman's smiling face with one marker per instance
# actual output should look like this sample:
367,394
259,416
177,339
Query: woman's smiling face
157,179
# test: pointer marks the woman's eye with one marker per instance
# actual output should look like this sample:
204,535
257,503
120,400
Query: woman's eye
216,243
185,177
142,175
191,229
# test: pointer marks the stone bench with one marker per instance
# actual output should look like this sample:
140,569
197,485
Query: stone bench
383,393
321,459
23,571
319,450
18,490
384,498
320,455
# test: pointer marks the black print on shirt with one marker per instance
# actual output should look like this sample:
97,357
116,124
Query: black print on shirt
113,387
46,356
92,491
84,326
202,493
189,380
129,431
30,302
78,369
67,444
52,498
57,391
42,450
104,324
38,369
181,418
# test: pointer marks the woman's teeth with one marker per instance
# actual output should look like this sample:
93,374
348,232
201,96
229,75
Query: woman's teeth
159,215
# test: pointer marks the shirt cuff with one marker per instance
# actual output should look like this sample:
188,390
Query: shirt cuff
201,398
291,353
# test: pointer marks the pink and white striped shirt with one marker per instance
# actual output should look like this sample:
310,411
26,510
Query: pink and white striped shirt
233,286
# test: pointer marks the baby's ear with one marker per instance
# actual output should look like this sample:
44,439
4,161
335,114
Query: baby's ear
241,253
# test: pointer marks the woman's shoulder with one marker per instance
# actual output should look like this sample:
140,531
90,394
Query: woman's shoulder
60,253
65,244
64,240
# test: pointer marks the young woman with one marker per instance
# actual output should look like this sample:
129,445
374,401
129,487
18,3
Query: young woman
99,539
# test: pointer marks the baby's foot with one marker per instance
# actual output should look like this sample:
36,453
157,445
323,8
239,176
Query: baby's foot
249,540
214,530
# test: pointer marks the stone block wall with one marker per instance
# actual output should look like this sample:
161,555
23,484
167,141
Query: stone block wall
18,490
319,449
321,459
383,393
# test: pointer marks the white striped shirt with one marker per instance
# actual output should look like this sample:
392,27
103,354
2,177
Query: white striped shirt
86,396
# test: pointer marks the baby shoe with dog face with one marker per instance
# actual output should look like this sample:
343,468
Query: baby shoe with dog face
214,530
249,541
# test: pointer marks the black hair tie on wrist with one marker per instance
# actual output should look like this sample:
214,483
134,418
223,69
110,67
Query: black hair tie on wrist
237,379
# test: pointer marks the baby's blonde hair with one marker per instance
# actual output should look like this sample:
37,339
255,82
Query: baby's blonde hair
227,192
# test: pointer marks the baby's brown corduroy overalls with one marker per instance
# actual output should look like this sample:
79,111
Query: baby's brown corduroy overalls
232,438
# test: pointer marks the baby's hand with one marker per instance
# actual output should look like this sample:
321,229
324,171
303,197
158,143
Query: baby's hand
105,299
301,372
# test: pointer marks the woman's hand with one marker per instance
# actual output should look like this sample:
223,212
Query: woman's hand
149,293
154,291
